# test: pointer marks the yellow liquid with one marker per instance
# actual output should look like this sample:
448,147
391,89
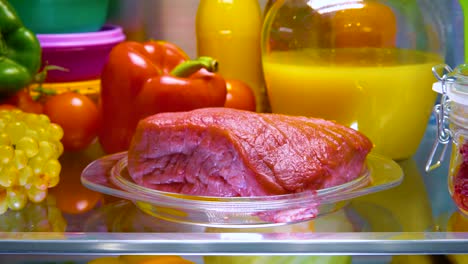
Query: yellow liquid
390,103
229,31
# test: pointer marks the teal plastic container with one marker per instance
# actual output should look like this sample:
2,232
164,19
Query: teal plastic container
62,16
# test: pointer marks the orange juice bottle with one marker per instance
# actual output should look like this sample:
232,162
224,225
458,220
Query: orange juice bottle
229,31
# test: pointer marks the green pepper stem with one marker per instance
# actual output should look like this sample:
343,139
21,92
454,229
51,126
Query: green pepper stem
187,68
41,76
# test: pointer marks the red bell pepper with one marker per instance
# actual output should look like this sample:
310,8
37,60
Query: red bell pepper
142,79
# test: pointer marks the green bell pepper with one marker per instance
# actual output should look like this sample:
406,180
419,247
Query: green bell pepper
20,52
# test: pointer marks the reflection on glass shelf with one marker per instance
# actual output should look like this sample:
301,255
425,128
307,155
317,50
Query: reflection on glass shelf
125,217
42,217
405,207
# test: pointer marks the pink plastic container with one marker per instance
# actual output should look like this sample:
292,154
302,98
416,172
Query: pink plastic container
83,54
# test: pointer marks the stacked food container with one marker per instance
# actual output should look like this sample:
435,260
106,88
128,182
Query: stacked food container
73,37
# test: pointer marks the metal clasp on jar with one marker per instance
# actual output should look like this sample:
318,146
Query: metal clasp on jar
440,111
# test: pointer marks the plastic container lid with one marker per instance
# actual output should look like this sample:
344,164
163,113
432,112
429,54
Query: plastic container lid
456,85
459,96
109,34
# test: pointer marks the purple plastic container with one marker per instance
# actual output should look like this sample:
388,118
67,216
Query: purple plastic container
83,54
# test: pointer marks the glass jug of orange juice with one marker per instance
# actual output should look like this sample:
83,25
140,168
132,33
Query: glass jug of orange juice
363,63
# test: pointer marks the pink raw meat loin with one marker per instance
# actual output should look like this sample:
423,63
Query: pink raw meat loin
227,152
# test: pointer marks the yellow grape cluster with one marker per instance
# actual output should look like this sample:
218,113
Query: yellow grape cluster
29,150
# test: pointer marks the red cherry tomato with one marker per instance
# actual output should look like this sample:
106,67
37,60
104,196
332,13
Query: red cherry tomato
23,101
7,107
78,116
27,104
239,96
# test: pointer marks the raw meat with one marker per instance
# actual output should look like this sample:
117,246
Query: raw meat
227,152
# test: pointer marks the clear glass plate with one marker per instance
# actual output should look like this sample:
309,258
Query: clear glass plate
109,175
